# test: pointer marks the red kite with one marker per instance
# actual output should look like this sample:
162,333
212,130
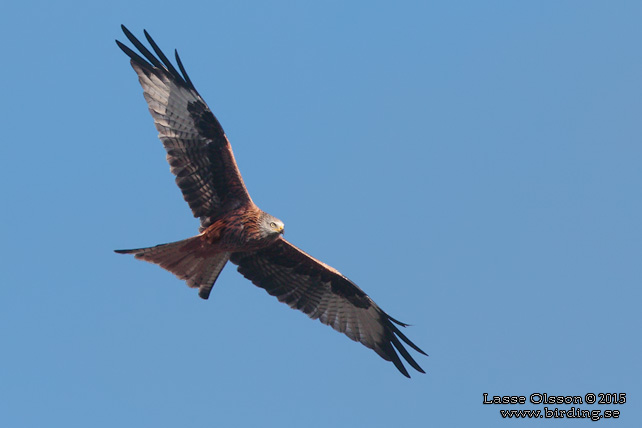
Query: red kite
233,228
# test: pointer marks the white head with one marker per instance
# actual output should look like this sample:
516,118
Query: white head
270,226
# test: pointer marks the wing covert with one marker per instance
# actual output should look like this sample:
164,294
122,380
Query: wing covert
323,293
199,154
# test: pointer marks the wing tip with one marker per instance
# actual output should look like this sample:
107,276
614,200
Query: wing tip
156,62
392,344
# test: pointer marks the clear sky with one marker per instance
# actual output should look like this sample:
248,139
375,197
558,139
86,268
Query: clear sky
476,167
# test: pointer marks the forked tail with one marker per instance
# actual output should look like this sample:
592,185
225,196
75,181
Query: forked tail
188,259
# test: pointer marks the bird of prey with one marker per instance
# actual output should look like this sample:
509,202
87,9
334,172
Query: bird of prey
233,228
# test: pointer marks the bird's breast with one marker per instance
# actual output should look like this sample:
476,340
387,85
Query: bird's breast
235,232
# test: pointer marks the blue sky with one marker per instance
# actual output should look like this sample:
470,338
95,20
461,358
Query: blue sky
474,166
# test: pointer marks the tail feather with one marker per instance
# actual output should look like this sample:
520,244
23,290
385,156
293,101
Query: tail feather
188,259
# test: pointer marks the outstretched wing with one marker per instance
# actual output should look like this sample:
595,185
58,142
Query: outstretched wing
198,151
323,293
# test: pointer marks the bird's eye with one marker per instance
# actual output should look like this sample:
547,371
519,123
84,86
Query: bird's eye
273,225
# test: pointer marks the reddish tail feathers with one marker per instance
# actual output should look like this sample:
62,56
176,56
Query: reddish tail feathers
188,260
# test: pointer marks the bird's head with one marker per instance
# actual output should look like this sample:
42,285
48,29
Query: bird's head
271,227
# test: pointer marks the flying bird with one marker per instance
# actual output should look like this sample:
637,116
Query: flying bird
233,228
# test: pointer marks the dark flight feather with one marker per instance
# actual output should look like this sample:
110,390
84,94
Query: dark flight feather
323,293
197,148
